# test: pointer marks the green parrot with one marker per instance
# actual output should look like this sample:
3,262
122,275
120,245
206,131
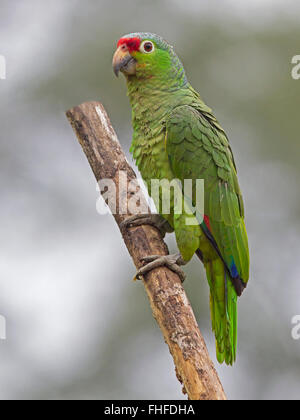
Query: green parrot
176,136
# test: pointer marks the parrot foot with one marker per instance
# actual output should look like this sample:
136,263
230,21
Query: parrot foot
173,262
155,220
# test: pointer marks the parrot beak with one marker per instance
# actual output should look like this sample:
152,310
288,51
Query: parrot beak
123,61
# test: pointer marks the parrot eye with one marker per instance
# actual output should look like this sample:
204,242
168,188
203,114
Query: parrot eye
147,47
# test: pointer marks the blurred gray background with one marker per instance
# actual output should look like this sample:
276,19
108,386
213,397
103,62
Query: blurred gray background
77,326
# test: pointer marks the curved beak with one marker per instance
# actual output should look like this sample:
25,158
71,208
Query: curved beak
123,61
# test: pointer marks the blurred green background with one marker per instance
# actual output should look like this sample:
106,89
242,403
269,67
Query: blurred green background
77,326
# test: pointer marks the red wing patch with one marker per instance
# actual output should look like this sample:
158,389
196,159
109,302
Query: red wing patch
207,222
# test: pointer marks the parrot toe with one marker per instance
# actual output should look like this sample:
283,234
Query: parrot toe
173,262
155,220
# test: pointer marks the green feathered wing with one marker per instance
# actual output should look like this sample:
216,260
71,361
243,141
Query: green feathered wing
199,149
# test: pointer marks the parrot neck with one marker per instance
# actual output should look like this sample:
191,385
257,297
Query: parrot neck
157,83
152,99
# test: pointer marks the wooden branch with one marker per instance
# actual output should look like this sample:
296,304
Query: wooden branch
169,303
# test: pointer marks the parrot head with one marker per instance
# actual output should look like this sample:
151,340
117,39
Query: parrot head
145,56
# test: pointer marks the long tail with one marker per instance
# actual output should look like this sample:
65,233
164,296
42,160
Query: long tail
223,307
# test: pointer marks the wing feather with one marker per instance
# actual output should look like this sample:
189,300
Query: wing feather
199,149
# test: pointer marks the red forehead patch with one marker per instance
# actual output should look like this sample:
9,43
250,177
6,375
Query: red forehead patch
133,44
